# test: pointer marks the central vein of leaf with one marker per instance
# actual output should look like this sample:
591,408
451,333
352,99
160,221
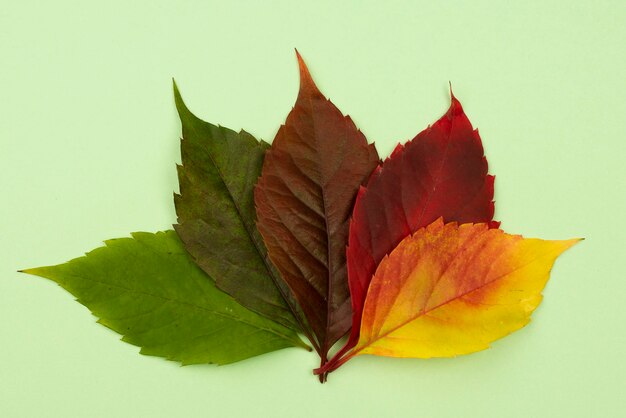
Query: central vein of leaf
329,292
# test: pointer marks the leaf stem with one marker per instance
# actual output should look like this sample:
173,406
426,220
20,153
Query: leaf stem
335,358
333,365
323,376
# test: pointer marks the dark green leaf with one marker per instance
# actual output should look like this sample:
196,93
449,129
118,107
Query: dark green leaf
216,216
148,289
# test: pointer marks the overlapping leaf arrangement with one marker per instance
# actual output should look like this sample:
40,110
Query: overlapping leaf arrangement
314,235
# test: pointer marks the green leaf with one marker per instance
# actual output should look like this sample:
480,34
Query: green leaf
217,219
148,289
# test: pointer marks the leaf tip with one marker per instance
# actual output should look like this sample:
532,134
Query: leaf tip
37,271
571,242
453,99
455,106
307,85
178,99
183,111
561,246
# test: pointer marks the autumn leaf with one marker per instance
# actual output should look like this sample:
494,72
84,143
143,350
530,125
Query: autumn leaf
148,289
304,200
442,172
449,290
216,216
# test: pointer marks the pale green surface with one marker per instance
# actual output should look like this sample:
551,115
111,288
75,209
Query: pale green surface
89,138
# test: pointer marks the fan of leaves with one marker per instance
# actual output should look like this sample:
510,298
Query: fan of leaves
314,235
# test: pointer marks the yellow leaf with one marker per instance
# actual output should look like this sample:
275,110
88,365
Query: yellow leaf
449,290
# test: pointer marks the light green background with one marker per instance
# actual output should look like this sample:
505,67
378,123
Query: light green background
89,139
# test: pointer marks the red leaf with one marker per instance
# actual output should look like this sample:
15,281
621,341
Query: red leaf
304,200
442,172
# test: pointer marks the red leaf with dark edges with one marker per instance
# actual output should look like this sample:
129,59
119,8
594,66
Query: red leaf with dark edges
442,172
304,200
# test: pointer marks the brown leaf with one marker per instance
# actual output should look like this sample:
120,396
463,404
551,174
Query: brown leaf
304,200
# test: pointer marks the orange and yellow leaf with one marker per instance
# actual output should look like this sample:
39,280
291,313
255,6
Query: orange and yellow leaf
449,290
